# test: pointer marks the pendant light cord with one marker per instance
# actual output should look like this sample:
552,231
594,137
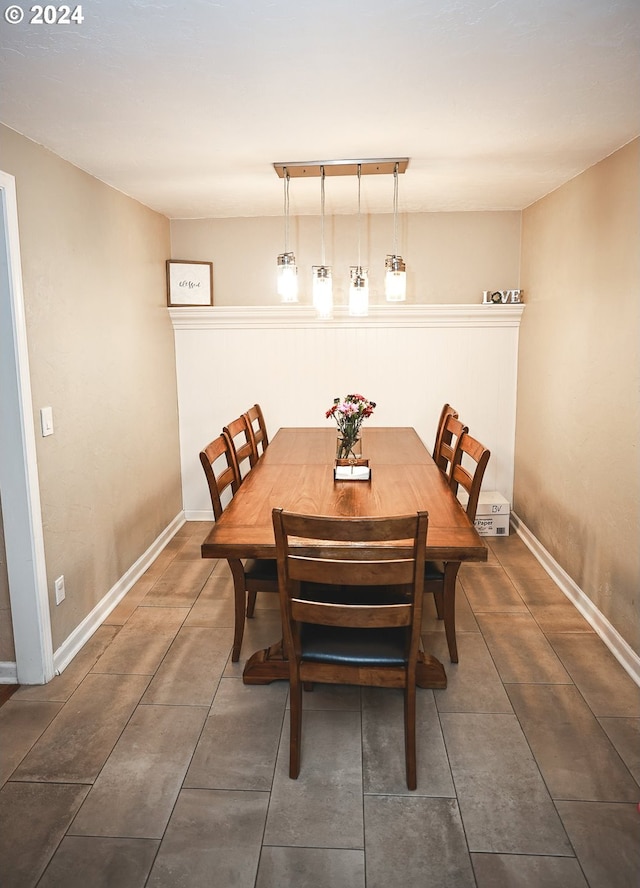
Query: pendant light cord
286,210
395,210
322,211
359,218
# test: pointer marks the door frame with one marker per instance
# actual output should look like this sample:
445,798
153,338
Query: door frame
19,487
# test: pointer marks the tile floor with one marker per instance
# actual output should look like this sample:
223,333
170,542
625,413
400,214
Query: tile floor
149,763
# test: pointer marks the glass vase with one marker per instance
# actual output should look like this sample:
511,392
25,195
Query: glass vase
348,448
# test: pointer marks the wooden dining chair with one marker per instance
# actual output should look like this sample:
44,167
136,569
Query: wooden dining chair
241,440
255,574
452,429
447,410
467,471
351,593
257,430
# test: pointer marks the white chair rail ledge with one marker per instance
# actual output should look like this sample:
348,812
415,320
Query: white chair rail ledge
255,316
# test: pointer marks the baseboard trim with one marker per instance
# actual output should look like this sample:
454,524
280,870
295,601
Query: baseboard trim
8,672
622,651
194,515
82,633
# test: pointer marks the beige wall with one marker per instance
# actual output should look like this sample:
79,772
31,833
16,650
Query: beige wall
576,470
101,355
450,257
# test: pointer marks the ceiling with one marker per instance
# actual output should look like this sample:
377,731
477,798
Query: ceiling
186,104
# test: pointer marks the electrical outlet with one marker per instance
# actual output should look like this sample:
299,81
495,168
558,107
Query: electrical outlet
59,589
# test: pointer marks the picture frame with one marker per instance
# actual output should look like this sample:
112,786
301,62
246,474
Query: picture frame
189,283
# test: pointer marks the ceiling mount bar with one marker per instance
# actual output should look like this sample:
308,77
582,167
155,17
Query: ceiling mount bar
309,169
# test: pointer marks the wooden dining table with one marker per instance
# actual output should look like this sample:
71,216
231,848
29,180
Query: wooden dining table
296,473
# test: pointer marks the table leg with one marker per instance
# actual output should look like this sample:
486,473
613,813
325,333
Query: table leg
430,672
267,665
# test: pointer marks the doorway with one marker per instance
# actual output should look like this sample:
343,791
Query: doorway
19,489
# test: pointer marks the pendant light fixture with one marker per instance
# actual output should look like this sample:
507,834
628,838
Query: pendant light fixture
287,269
359,276
395,278
322,284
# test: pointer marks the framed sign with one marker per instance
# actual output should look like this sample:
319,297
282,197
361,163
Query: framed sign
189,283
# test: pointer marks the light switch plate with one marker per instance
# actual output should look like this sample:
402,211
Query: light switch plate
46,421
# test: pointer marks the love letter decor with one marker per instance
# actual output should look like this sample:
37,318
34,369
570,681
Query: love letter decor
501,297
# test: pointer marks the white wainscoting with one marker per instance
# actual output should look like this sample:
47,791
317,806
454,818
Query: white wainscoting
410,359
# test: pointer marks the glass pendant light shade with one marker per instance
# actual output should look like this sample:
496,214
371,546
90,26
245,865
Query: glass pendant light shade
395,279
358,291
395,272
322,290
287,284
287,278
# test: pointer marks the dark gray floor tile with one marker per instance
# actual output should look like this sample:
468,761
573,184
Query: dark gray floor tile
576,758
333,697
599,677
624,733
473,684
540,592
264,629
212,840
33,819
123,611
191,670
310,868
87,862
520,871
180,584
62,686
21,724
214,607
517,559
138,786
504,803
78,742
323,807
465,620
564,617
239,744
142,643
520,650
606,839
491,590
383,757
415,841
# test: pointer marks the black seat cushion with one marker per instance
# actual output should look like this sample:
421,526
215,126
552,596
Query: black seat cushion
261,569
433,570
355,647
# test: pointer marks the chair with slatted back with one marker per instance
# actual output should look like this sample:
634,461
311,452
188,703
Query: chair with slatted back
351,593
241,440
447,410
258,431
467,471
254,575
452,429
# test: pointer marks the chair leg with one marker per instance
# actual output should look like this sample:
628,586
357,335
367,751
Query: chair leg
410,733
295,732
251,602
438,598
449,593
237,571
